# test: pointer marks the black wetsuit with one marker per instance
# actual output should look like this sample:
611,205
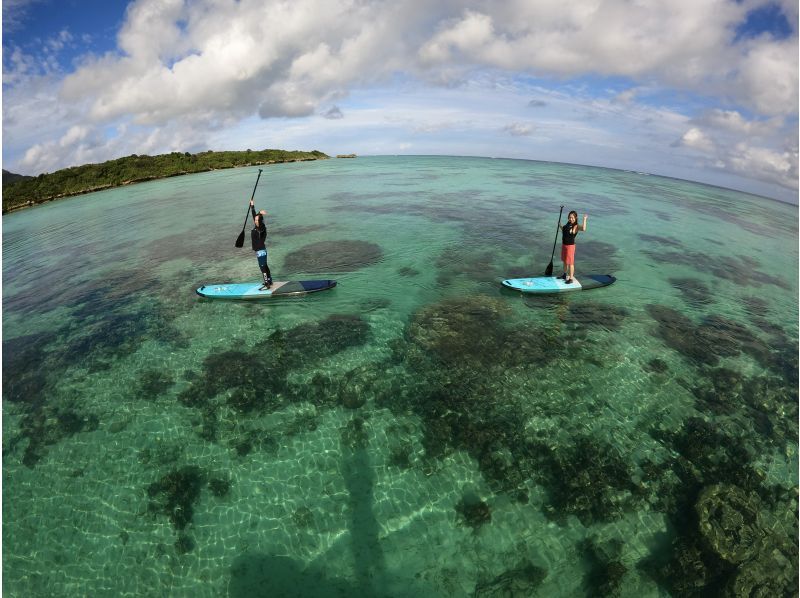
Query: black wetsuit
258,238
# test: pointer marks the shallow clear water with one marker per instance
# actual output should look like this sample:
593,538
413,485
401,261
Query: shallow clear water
417,431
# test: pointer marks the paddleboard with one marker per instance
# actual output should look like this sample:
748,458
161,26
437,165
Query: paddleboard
251,290
551,284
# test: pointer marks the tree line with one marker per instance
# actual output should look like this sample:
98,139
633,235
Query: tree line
28,191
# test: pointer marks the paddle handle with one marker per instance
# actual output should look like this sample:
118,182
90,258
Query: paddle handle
253,196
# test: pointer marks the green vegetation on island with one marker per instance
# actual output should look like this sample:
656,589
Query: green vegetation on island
27,191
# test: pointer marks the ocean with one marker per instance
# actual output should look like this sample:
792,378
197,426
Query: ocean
418,430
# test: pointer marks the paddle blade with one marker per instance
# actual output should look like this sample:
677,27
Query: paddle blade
549,270
240,240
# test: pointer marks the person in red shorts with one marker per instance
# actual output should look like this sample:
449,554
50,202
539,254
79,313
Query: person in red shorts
568,234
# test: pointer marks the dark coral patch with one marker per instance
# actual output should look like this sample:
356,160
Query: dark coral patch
522,580
729,545
740,270
693,291
480,266
596,257
255,380
474,512
588,479
771,406
153,383
597,315
25,376
47,425
606,570
175,495
303,518
668,241
704,344
657,366
333,256
220,487
459,329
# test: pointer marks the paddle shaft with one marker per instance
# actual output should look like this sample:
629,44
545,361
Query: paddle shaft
549,269
240,240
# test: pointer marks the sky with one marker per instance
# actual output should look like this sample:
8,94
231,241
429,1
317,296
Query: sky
703,90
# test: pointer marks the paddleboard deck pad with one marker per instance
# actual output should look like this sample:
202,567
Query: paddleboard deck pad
251,290
550,284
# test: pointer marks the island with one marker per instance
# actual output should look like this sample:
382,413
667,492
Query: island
21,192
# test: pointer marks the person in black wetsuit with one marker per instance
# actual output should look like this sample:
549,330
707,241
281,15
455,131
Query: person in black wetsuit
258,237
568,233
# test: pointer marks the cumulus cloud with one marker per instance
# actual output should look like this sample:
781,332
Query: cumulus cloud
192,68
285,59
685,44
771,166
695,139
518,129
732,121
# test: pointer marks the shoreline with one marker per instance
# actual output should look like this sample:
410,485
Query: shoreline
32,203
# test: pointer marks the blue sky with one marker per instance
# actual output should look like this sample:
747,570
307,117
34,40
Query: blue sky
704,90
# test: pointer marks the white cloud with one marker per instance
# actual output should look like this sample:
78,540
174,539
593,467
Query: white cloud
696,139
732,121
286,59
518,129
187,72
779,167
75,134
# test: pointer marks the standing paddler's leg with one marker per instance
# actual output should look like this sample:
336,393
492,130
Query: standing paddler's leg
262,265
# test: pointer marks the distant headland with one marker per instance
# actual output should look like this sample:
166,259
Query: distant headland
23,191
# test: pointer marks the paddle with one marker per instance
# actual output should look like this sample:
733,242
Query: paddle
549,270
240,239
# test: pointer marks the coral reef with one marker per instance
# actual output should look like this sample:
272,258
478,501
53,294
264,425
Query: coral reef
735,544
694,292
333,256
657,366
46,425
219,487
175,494
303,518
473,511
588,479
521,581
153,383
606,570
255,380
581,315
706,343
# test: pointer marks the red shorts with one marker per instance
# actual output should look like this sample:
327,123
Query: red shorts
568,254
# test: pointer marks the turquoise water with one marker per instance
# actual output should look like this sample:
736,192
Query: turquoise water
418,430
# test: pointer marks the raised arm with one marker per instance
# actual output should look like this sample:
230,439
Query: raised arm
583,226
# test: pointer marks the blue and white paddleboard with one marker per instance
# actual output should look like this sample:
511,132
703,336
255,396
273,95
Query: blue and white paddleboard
551,284
251,290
